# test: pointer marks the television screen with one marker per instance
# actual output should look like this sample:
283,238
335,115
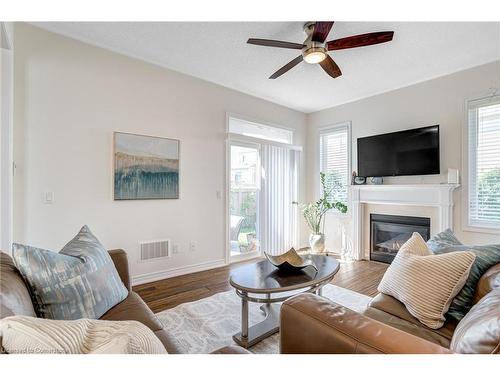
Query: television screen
404,153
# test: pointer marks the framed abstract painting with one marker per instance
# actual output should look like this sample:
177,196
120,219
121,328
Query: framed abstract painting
145,167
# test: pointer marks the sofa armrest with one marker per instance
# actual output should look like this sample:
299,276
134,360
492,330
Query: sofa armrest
315,325
119,258
231,349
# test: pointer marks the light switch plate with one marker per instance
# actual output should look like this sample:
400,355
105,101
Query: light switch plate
48,197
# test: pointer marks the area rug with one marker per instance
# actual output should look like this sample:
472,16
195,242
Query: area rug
209,324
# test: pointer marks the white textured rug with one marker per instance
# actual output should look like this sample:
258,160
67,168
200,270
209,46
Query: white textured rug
209,324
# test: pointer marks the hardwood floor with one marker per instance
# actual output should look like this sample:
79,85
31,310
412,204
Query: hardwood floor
362,277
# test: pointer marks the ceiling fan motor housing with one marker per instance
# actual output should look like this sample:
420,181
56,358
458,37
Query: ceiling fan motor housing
313,52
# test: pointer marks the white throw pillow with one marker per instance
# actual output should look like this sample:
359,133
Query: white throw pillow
28,335
426,283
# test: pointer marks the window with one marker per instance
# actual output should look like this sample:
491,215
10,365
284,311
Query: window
245,166
334,143
254,130
484,162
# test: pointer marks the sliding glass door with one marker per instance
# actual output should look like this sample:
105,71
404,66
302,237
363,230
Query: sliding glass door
263,170
244,199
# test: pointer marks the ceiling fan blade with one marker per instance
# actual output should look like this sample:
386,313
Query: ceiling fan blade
360,40
274,43
287,67
330,67
321,31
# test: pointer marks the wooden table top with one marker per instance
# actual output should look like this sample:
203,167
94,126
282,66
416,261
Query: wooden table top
263,277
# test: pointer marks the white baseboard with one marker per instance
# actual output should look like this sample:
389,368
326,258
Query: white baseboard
179,271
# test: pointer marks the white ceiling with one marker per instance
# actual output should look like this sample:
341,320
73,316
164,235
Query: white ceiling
217,52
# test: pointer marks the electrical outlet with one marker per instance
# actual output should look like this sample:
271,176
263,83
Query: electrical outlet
175,248
192,246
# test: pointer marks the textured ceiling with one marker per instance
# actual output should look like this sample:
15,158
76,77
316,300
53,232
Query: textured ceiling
217,52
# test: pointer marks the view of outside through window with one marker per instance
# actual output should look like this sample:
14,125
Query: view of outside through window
244,199
485,206
334,162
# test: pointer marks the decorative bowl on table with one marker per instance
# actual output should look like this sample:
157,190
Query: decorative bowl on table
289,261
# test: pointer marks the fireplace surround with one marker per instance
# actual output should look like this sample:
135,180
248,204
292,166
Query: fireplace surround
439,196
389,232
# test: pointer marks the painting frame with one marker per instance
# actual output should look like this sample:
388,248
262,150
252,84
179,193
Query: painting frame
115,148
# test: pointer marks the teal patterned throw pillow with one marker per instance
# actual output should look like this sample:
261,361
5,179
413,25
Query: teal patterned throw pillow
486,257
443,240
80,281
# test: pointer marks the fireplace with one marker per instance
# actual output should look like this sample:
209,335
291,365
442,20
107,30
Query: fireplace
389,232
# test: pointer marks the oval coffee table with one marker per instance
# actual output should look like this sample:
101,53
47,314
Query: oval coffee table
262,282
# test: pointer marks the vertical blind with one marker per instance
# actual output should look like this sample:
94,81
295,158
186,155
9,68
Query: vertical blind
334,160
279,191
484,162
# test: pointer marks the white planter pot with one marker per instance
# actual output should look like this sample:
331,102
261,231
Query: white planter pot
317,243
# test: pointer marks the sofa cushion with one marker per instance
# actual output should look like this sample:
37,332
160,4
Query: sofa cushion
479,331
392,306
426,283
134,308
489,281
420,330
80,281
486,257
14,295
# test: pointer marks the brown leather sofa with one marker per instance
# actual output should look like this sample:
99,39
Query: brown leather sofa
15,300
313,324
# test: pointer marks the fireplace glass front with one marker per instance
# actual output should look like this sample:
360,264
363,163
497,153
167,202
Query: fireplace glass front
389,232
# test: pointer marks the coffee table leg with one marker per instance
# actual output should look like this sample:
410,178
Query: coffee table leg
268,296
244,317
250,336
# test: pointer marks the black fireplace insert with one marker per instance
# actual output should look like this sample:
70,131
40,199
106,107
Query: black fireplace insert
389,232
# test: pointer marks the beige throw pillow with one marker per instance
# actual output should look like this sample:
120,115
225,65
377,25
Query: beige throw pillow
426,283
28,335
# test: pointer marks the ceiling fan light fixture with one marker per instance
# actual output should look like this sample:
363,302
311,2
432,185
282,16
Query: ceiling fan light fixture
314,55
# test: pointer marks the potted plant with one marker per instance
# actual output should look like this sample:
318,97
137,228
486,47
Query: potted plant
314,213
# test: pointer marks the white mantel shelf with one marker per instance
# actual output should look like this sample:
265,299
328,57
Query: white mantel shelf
418,194
433,195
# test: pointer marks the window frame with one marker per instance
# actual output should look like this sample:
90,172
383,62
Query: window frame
7,164
466,158
232,138
252,120
324,130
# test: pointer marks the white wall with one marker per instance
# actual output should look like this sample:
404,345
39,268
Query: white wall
70,97
438,101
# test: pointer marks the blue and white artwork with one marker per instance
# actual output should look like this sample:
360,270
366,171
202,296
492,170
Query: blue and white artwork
146,167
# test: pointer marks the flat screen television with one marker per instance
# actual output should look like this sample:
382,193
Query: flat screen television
404,153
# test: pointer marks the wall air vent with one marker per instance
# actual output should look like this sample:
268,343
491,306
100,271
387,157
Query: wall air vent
155,249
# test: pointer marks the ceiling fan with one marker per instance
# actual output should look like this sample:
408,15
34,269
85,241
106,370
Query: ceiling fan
315,49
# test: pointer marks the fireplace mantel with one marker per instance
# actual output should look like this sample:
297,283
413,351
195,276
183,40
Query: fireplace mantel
434,195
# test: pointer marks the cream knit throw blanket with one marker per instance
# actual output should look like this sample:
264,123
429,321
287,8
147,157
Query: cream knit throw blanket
27,335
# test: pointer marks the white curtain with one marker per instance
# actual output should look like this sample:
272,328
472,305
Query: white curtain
279,191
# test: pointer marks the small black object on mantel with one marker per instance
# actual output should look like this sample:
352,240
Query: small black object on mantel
357,180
